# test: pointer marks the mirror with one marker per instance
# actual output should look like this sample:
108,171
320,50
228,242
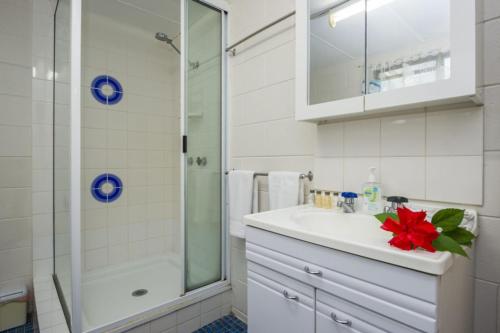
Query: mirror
336,50
408,43
401,43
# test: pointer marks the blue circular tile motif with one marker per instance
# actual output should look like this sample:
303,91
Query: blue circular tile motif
106,89
106,187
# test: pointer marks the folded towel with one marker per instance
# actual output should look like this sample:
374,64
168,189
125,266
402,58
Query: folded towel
242,195
286,189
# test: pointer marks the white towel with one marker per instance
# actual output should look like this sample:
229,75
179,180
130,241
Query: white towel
286,189
241,199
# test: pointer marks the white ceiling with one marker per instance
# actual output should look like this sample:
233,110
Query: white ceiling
400,24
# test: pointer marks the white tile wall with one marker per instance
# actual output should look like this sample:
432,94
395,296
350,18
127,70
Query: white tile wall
136,139
485,306
491,51
455,132
455,179
403,135
491,118
404,145
15,143
361,138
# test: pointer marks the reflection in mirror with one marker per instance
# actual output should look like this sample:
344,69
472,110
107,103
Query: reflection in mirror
336,49
408,43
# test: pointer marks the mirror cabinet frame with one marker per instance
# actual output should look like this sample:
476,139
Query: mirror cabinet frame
460,87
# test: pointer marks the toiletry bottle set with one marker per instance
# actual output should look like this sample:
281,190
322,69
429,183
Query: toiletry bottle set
322,199
371,202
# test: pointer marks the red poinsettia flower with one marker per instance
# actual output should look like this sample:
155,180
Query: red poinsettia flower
411,231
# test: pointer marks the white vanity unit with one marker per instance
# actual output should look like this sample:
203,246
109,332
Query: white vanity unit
312,270
355,57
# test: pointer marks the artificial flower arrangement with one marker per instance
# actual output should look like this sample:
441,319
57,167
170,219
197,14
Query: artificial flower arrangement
411,230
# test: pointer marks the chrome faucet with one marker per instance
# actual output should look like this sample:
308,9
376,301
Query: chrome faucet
348,205
396,202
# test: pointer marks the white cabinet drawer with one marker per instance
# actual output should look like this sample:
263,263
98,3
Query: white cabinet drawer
278,304
335,315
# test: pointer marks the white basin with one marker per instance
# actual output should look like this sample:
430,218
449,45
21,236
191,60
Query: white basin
354,233
328,222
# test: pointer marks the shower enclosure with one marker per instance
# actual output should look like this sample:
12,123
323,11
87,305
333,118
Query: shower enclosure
139,157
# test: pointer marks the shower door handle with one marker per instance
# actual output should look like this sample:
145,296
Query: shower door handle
184,144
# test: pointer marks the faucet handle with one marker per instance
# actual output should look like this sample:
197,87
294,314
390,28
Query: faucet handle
349,195
397,200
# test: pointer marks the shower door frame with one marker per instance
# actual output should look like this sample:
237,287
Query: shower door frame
223,8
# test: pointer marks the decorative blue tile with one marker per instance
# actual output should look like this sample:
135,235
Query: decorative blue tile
227,324
106,89
106,187
27,328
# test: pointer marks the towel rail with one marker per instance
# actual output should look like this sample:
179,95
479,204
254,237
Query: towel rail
309,175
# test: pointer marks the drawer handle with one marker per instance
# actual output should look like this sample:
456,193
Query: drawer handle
288,296
340,321
309,271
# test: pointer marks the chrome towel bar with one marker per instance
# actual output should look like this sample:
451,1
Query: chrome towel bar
308,175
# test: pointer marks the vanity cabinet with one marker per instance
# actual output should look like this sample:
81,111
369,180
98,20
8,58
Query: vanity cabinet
297,286
360,56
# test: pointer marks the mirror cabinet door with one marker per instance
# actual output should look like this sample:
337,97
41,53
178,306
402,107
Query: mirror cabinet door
408,43
337,50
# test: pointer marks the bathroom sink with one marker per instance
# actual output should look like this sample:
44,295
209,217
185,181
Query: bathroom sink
356,233
328,222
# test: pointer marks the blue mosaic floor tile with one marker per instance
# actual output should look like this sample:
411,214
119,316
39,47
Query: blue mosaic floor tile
227,324
28,328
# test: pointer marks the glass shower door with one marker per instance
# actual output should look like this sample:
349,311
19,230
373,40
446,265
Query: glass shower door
203,157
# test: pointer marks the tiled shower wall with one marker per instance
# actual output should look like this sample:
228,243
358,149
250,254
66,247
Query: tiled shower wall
427,154
15,143
136,139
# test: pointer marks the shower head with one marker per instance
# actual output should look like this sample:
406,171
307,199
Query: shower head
161,36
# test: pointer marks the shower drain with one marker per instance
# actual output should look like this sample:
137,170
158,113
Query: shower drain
139,292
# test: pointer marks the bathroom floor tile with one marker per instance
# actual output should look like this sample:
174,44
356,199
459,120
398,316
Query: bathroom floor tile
227,324
28,328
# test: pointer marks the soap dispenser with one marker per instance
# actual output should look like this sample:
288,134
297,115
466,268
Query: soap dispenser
372,194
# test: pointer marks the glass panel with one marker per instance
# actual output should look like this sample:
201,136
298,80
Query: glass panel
336,50
131,228
203,159
61,161
408,43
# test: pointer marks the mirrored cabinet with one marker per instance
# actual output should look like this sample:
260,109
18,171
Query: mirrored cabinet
356,56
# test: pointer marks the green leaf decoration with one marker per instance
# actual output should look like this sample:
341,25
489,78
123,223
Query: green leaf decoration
445,243
383,216
448,219
461,236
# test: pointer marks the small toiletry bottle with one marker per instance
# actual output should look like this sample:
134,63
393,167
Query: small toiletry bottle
317,200
372,194
310,197
338,207
333,200
327,200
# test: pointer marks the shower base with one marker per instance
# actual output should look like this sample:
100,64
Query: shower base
113,294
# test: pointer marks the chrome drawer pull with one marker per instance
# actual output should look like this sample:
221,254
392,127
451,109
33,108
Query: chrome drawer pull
339,321
308,271
285,293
